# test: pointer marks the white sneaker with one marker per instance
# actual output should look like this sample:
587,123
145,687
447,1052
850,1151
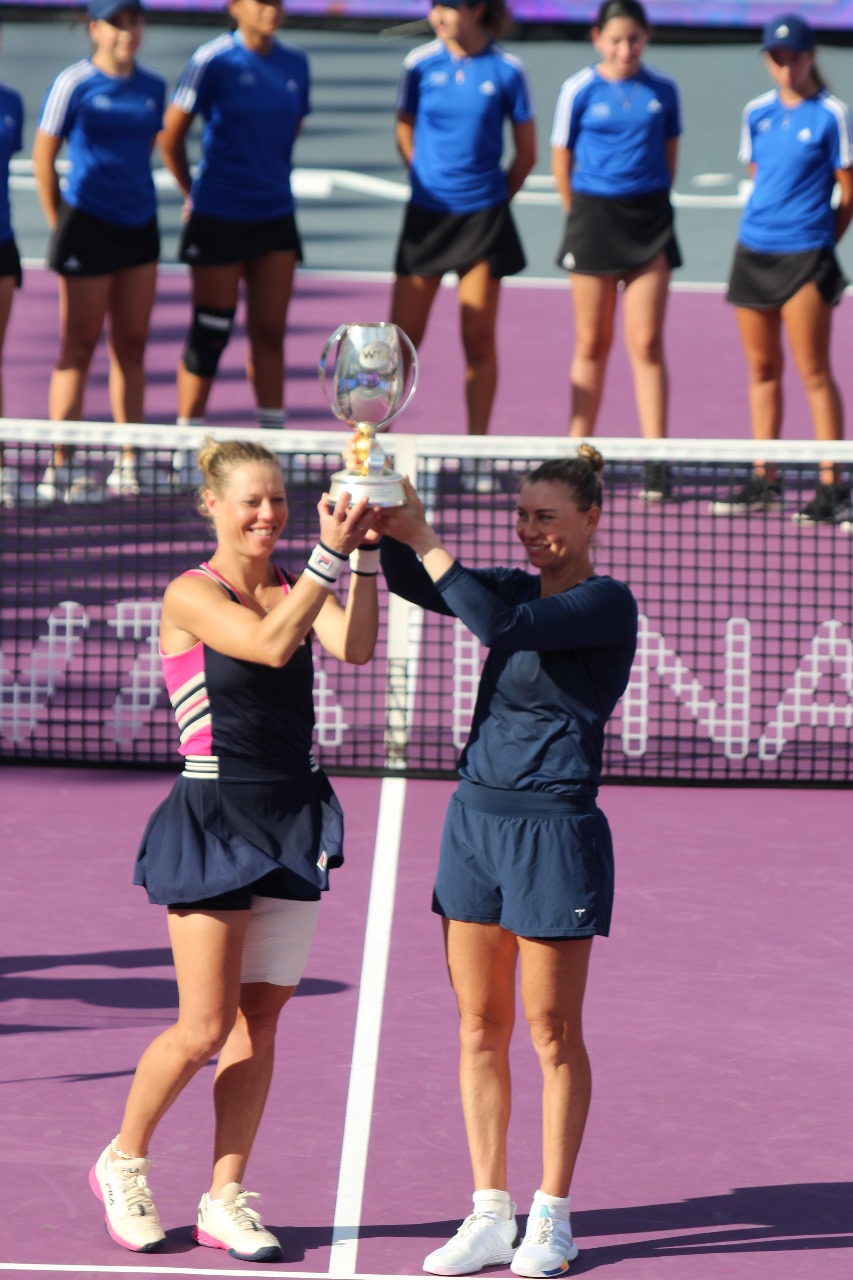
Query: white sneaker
547,1247
185,472
13,491
122,1185
229,1224
68,484
123,478
483,1240
476,478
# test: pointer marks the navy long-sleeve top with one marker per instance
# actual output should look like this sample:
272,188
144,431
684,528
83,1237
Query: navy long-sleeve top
555,670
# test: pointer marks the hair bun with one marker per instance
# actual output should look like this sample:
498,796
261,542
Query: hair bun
591,456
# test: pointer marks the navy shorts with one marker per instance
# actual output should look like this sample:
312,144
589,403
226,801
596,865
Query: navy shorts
539,865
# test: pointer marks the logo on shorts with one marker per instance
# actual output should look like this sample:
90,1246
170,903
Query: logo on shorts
323,860
580,912
568,261
192,251
71,264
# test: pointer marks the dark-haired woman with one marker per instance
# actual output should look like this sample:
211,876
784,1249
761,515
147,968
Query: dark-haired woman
241,849
614,146
798,142
454,99
252,92
104,241
526,866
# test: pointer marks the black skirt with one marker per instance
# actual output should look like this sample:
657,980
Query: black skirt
212,835
432,243
220,242
83,245
766,281
617,236
10,261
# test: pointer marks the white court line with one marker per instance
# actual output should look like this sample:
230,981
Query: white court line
368,1025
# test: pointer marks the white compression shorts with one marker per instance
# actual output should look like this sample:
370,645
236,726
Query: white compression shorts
278,940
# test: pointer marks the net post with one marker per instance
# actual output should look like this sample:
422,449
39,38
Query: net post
402,643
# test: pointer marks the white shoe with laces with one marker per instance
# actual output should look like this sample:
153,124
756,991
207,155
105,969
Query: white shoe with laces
122,1185
547,1247
228,1223
485,1239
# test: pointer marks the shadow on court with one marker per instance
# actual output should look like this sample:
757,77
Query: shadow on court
782,1219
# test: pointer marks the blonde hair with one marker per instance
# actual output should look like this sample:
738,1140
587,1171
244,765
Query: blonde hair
218,458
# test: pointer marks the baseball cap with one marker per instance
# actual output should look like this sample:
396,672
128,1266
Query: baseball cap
103,10
788,32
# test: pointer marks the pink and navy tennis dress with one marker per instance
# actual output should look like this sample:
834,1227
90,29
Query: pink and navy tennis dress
252,807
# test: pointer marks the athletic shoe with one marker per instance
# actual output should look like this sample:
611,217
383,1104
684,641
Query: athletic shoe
758,494
657,482
483,1240
13,492
122,1185
229,1224
185,473
830,505
547,1247
479,479
123,478
68,484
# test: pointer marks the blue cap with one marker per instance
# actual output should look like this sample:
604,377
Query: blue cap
103,10
788,32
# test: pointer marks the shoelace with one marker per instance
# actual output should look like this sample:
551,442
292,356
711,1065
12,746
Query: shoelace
244,1218
543,1230
474,1221
135,1192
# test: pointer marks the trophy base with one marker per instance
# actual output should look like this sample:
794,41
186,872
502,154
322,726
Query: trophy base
384,490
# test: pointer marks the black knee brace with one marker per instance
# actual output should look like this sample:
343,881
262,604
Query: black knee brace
207,339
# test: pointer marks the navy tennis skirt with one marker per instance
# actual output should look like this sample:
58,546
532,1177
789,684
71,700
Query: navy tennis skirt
212,835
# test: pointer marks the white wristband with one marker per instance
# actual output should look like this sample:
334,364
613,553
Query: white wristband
325,565
365,561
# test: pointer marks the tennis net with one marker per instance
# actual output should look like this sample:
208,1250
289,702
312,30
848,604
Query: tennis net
744,671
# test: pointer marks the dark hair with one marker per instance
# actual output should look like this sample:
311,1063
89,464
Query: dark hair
581,474
622,9
496,16
218,458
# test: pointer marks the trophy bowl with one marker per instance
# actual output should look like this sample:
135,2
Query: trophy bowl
368,373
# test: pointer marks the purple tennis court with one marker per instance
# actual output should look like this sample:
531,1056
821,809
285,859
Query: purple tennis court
717,1143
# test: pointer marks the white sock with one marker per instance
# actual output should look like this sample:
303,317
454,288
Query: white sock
493,1201
271,419
559,1205
189,422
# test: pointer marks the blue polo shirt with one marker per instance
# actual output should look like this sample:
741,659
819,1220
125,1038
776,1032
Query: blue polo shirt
796,151
459,107
109,123
11,140
252,105
616,131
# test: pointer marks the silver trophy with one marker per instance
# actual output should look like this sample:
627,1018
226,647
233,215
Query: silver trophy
368,373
